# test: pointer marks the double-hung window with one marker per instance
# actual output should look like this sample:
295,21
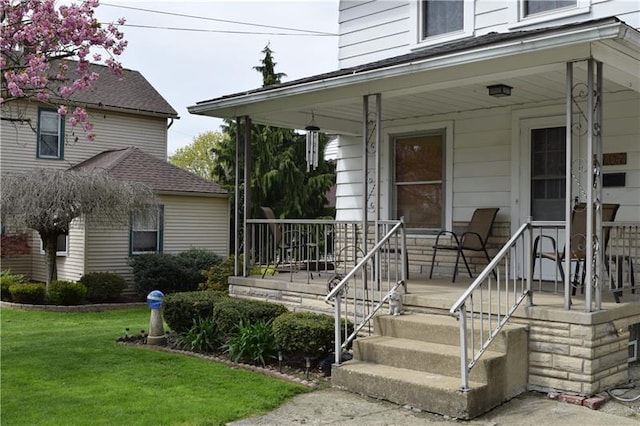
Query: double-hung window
146,230
62,245
50,144
440,21
532,7
419,181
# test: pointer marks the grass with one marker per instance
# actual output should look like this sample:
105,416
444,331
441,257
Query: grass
67,369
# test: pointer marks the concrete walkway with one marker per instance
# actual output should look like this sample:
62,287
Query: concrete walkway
336,407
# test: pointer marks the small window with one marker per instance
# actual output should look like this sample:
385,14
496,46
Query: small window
533,7
50,135
62,245
419,181
146,230
442,17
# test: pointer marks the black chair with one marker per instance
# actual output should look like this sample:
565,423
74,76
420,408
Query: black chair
474,239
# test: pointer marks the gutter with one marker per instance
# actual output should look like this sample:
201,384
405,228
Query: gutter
609,30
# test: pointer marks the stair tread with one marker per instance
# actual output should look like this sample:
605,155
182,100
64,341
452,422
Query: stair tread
432,380
439,319
418,345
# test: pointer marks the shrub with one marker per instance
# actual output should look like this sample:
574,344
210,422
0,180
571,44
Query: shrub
169,273
7,279
67,293
217,276
229,312
31,293
253,342
201,337
305,334
156,271
180,309
103,286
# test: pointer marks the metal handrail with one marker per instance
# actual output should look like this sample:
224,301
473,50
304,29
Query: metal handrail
340,289
459,308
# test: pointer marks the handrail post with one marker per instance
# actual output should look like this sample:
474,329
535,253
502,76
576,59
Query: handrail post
405,259
529,260
338,331
464,371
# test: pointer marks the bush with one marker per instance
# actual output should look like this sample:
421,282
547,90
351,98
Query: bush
169,273
67,293
7,279
31,293
305,334
103,286
230,312
217,276
253,342
201,337
181,309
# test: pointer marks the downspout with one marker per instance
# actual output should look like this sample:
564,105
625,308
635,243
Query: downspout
236,210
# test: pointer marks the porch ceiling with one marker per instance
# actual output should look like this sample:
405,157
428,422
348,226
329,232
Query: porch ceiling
441,86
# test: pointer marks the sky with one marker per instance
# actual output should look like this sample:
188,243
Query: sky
218,59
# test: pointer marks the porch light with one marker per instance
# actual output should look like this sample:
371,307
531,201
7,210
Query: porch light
499,90
313,137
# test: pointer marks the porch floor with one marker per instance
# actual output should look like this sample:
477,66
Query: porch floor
437,295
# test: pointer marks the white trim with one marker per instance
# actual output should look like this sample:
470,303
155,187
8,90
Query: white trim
389,133
58,253
518,20
415,16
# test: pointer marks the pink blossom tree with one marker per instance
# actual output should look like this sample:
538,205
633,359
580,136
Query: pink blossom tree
36,38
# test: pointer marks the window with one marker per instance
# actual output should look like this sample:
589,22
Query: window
146,230
419,180
548,154
532,7
62,245
442,17
50,134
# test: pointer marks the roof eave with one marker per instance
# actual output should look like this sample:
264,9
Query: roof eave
235,105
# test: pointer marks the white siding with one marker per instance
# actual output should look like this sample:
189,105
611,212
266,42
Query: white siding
380,29
112,131
482,161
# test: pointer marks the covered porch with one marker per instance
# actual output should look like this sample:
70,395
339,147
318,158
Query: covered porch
562,133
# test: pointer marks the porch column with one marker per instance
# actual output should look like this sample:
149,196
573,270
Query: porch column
247,195
236,205
568,210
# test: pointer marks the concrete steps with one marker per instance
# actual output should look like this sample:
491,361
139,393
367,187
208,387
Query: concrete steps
414,360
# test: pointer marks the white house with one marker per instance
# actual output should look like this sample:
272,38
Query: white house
444,107
131,121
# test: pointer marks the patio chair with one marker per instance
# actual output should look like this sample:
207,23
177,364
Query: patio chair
578,242
473,239
284,241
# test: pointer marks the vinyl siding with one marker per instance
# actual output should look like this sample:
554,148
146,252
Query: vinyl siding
380,29
112,131
189,222
482,161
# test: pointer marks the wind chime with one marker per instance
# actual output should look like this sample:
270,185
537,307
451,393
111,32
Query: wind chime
313,142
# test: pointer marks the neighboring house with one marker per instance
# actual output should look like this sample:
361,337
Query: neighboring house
131,121
471,104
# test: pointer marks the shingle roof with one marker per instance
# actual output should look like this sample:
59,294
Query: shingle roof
422,54
133,164
132,93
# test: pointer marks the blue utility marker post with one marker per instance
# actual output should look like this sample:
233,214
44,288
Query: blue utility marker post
156,330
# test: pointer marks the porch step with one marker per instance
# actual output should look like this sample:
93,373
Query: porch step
414,359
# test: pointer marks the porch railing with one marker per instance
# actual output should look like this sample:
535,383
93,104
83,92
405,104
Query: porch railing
359,294
486,306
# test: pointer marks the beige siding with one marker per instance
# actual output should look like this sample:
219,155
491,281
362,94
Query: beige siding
189,222
70,267
380,29
196,222
112,131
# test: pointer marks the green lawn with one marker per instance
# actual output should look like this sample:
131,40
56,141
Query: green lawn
67,369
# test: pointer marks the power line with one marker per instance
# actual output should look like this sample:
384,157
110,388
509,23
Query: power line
201,30
219,20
